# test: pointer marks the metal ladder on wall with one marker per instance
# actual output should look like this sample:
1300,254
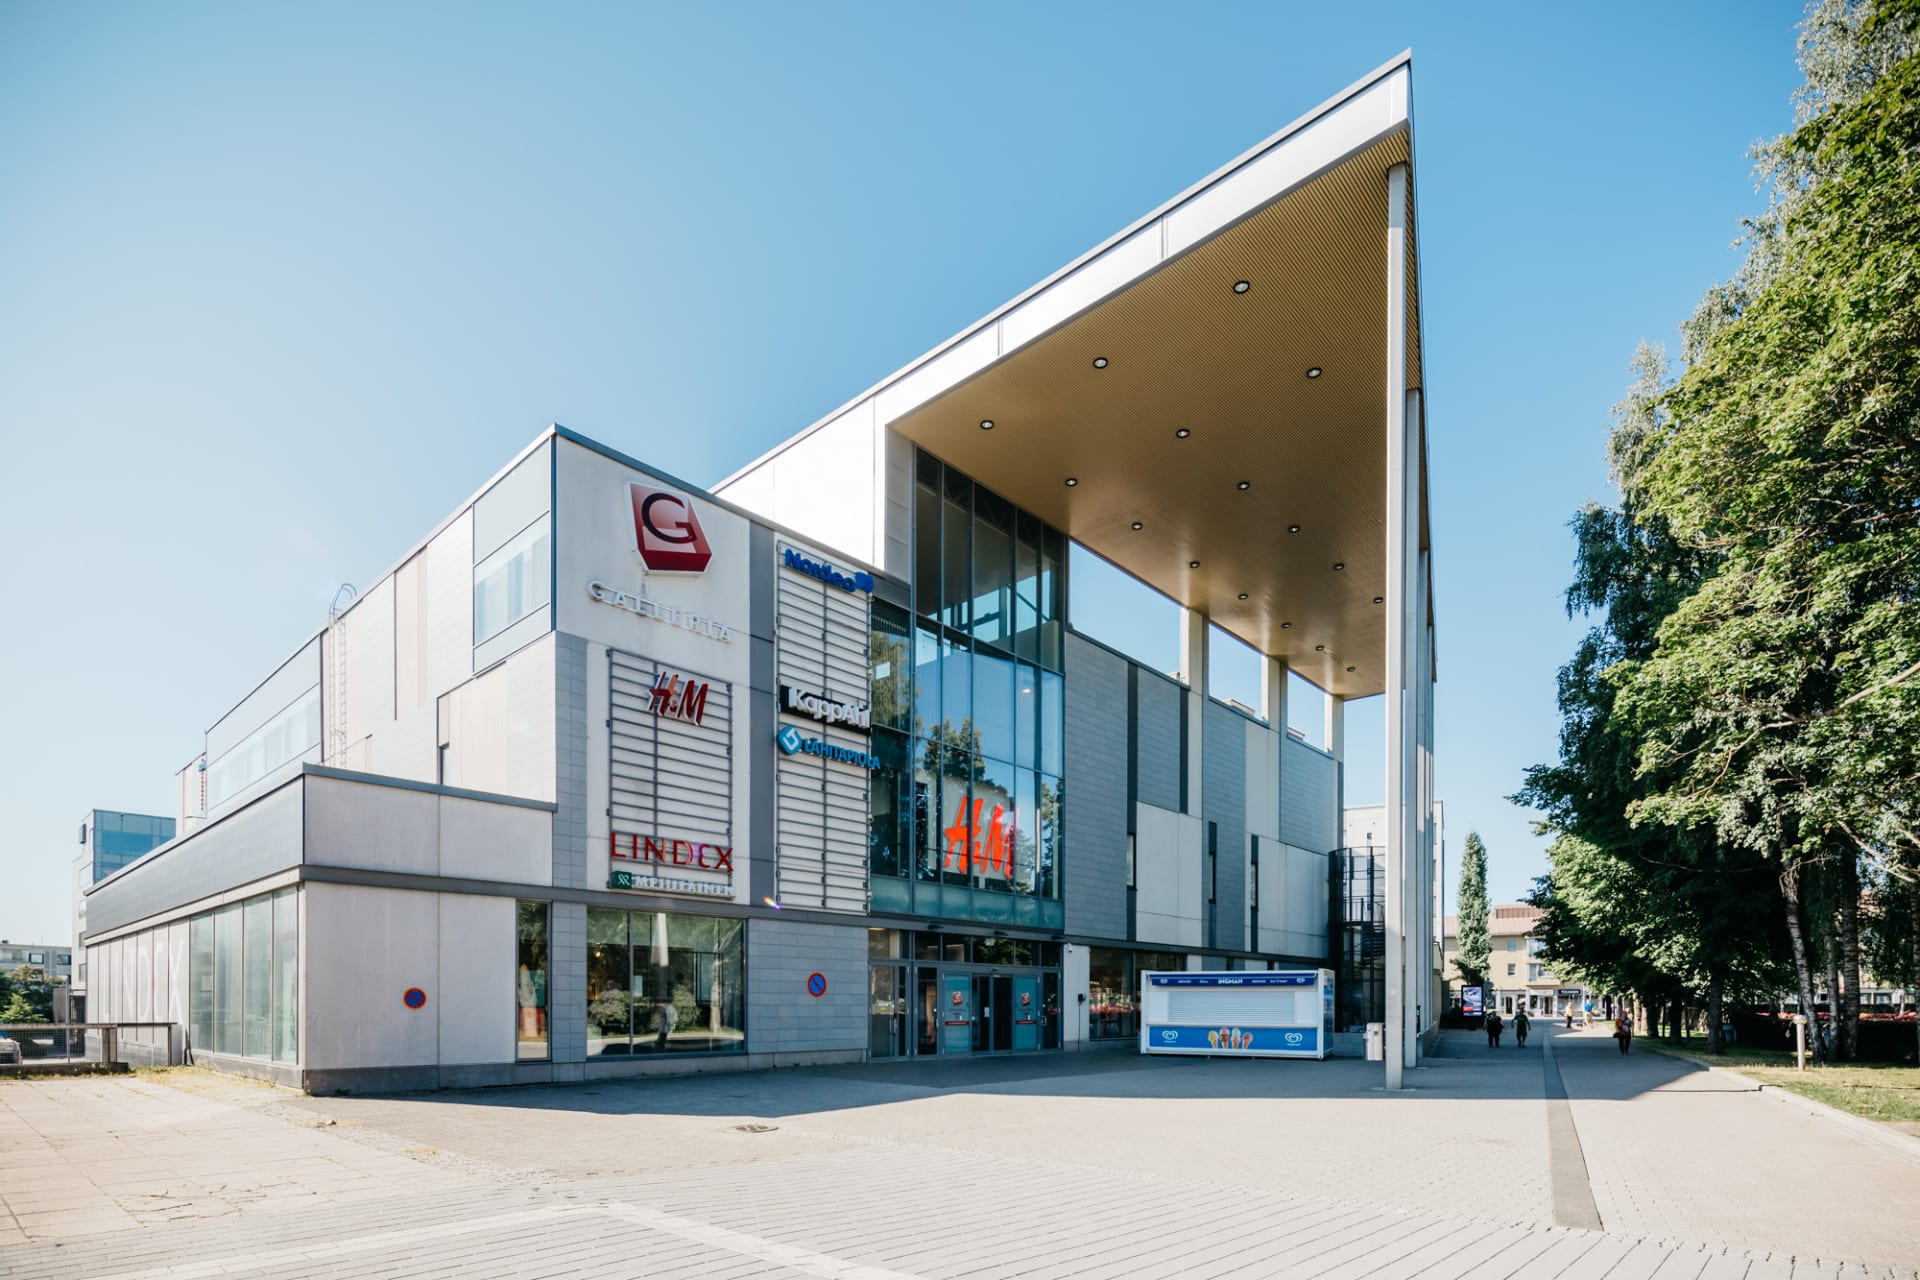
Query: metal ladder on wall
337,655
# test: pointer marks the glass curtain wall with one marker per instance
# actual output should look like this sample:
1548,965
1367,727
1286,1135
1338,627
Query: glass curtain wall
661,982
243,978
969,711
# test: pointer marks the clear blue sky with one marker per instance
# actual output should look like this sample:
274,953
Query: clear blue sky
280,286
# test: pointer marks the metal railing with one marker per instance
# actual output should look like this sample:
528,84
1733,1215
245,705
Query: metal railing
68,1046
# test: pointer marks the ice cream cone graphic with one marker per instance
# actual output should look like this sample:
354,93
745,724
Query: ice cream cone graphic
1213,1038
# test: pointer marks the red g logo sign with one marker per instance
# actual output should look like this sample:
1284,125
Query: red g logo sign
666,532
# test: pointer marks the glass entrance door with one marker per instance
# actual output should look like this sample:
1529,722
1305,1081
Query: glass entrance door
957,1013
886,1011
1027,1012
993,1027
926,1005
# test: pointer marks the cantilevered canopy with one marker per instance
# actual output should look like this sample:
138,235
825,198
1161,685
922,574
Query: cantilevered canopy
1251,313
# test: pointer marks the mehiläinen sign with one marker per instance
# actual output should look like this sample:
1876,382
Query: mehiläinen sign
804,702
856,581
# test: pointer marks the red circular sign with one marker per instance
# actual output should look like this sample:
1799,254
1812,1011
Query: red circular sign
415,998
816,985
959,998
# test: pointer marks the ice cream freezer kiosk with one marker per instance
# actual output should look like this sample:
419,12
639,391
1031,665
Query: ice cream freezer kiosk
1276,1013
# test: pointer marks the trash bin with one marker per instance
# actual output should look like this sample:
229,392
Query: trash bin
1376,1042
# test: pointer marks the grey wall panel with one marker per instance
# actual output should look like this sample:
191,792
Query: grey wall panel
256,841
1162,702
571,762
1095,872
1223,801
782,1017
1309,798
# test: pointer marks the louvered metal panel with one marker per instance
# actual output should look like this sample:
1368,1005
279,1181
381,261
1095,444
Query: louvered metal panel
820,804
669,778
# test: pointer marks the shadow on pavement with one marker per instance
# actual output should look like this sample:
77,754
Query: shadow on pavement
1461,1066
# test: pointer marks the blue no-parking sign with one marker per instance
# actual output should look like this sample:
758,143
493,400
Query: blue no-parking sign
816,985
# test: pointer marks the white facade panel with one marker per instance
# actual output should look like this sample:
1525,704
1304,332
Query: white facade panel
360,951
477,974
1060,301
176,1006
1263,782
370,674
937,376
1355,123
354,824
501,727
449,615
1168,874
820,485
480,841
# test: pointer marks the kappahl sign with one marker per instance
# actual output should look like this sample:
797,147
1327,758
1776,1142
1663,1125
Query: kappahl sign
666,531
805,702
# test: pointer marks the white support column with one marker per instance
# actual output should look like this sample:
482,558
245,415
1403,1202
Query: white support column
1336,725
1193,665
1400,609
1273,692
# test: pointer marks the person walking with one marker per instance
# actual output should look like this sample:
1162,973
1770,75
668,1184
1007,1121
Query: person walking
1494,1027
1520,1025
1623,1030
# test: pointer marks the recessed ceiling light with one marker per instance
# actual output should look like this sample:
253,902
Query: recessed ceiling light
1338,565
1099,362
1244,484
1349,668
1241,286
1314,372
1243,595
1379,599
986,424
1193,564
1293,528
1182,434
1072,481
1319,648
1137,526
1285,625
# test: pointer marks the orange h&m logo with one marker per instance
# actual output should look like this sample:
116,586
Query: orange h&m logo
680,697
973,845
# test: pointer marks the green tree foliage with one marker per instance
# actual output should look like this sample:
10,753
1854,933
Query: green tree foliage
1746,716
31,998
1475,946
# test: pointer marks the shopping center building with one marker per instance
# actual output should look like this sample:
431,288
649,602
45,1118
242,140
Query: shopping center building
614,774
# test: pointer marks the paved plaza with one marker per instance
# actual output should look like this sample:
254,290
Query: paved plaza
1562,1159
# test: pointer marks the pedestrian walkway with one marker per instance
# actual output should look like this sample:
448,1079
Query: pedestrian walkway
1087,1165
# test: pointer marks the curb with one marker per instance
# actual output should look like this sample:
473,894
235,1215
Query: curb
1892,1141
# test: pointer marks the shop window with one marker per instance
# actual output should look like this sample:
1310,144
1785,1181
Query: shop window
256,962
662,982
286,975
531,982
227,1036
993,716
1112,1013
200,983
890,832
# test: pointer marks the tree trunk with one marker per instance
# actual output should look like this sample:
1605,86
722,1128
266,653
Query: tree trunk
1914,938
1833,994
1847,1007
1796,932
1715,986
